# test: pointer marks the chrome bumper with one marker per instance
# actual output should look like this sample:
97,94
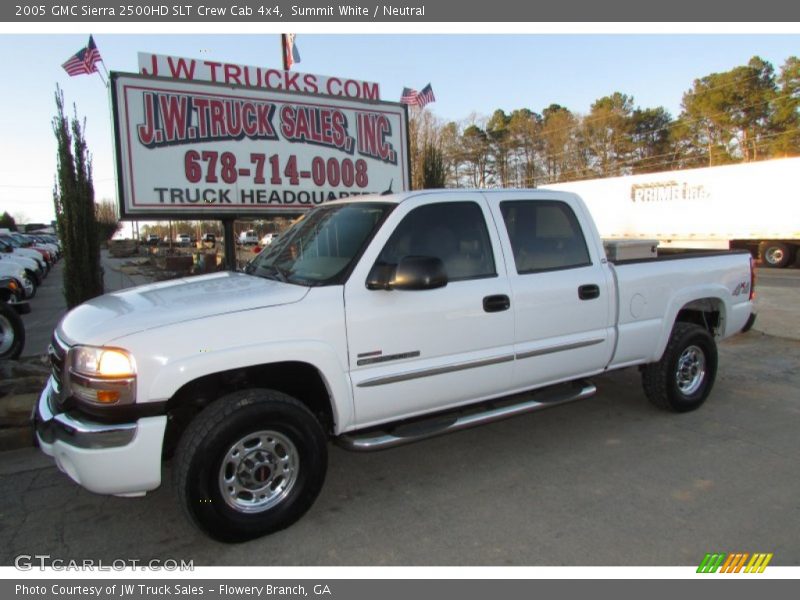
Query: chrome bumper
51,426
122,459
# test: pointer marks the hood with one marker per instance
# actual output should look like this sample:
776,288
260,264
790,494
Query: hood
112,316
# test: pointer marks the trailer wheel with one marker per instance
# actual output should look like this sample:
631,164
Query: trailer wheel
682,380
12,333
775,254
249,464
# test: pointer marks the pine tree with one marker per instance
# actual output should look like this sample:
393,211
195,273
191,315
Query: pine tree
434,175
73,197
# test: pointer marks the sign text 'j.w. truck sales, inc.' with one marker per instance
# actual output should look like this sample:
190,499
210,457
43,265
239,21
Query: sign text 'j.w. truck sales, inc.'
194,149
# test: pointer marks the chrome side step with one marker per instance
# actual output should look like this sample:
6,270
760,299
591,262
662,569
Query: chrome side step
465,417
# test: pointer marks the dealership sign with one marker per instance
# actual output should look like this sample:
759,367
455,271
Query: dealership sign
192,69
188,149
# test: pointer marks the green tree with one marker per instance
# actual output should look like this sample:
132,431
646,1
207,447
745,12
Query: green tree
500,141
727,116
476,156
559,153
434,175
73,197
524,127
606,134
107,220
8,222
785,118
651,144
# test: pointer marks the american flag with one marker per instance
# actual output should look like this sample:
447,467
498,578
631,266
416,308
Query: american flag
290,53
425,96
415,98
409,96
85,61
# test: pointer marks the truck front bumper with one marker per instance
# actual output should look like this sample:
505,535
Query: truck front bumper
122,459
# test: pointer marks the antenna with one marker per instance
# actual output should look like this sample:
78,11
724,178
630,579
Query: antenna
388,191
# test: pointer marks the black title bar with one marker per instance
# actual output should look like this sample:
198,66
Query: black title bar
406,11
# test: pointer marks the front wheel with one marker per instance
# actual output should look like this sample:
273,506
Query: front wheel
682,380
251,463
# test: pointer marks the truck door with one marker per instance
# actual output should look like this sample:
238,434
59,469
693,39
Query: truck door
559,292
412,352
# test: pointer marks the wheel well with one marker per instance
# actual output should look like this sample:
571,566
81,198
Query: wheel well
297,379
706,312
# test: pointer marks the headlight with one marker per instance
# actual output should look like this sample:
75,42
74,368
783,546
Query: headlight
102,375
103,362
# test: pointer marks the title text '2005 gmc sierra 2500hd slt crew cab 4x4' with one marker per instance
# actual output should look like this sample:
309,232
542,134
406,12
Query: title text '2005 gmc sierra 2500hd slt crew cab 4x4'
371,323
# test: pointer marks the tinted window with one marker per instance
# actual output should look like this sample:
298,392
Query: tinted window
454,232
544,236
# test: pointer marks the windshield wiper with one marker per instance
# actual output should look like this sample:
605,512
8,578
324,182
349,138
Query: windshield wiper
278,273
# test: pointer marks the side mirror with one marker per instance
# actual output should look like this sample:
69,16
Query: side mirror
412,273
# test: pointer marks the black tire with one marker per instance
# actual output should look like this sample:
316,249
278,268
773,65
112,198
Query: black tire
681,391
37,281
775,254
205,458
12,333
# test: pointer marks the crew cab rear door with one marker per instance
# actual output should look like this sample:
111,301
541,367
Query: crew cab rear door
412,352
561,288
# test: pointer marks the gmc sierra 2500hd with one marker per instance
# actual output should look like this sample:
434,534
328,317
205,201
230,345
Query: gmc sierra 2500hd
371,323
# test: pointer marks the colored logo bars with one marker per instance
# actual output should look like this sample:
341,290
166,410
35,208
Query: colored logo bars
734,562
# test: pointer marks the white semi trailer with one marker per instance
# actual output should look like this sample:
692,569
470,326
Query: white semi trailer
752,205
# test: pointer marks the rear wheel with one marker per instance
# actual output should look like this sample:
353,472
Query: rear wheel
775,254
249,464
12,333
683,378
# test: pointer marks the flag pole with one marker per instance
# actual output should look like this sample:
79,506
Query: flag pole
284,55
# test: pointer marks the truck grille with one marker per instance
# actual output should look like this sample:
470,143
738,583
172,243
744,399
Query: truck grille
57,352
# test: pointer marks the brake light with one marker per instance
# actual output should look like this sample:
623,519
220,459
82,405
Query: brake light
752,279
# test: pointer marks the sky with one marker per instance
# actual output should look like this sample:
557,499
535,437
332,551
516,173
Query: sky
471,74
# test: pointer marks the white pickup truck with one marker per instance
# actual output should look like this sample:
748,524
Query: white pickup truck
371,323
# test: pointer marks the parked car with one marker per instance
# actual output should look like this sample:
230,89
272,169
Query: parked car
152,239
17,249
19,285
183,239
12,329
389,319
248,238
33,264
268,239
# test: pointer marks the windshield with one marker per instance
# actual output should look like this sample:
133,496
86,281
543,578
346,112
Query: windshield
11,241
319,249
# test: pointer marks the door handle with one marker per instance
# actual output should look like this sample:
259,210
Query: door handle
589,292
497,303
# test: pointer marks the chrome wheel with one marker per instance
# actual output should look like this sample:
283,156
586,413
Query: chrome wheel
691,370
258,471
774,255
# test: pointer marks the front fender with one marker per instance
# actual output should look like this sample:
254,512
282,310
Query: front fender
180,371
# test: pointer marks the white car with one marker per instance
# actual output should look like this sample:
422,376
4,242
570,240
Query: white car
268,239
14,271
248,238
183,239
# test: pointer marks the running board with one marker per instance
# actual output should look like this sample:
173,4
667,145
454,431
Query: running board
466,417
